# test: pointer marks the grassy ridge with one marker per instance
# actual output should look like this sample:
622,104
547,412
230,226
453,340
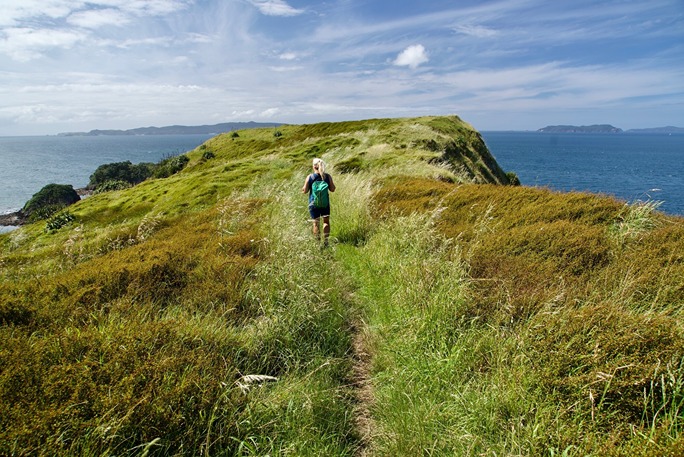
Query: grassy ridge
194,315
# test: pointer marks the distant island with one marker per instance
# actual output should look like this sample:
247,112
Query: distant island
605,128
668,129
179,129
602,128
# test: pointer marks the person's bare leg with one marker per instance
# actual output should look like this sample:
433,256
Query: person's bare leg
326,229
316,230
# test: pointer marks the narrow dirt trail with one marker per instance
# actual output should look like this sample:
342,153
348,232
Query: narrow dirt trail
361,353
363,389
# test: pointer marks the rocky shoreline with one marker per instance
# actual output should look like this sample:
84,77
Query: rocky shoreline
12,219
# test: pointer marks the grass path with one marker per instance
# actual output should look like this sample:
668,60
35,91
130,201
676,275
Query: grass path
292,244
309,317
363,389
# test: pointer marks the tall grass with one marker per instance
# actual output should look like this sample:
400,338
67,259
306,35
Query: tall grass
145,347
559,339
635,220
197,315
351,219
299,333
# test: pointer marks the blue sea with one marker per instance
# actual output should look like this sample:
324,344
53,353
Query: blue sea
631,167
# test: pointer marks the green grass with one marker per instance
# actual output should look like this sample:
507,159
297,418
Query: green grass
573,335
197,315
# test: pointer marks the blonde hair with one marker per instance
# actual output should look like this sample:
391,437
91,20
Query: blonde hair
319,166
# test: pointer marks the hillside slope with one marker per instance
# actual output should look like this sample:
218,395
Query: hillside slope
196,315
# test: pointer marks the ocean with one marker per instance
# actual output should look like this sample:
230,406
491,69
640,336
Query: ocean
631,167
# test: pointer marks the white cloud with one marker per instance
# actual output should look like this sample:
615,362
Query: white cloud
477,31
30,29
411,57
242,114
23,44
269,113
93,19
285,69
275,8
14,11
198,38
287,56
143,8
151,41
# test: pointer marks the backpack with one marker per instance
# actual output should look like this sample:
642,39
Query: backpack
319,189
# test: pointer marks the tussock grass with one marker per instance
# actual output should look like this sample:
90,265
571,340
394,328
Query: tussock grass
108,356
636,219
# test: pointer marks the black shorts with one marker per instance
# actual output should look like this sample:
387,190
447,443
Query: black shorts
316,213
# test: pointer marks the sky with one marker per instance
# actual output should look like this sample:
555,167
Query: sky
71,65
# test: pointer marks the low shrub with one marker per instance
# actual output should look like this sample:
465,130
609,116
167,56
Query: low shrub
513,179
49,200
171,166
121,171
112,185
58,221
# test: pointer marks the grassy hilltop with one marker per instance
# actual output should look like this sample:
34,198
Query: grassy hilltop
452,315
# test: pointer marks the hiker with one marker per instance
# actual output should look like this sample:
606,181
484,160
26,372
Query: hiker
318,184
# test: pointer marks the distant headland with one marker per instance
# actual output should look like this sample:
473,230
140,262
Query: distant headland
605,128
215,129
178,129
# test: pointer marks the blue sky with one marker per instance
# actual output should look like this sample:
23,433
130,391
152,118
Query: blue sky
71,65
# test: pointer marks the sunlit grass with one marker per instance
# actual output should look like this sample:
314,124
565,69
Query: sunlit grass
574,334
636,219
197,314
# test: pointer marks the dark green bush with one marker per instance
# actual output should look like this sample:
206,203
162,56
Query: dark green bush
171,166
49,200
121,171
207,155
111,185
